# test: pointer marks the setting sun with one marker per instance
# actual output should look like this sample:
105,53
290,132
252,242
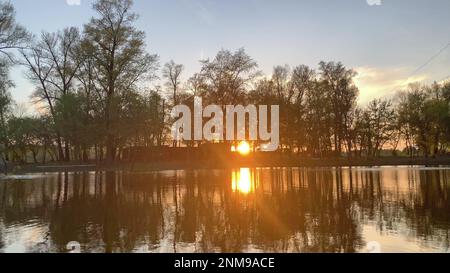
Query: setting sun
243,148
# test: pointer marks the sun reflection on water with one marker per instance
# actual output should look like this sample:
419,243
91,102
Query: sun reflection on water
242,181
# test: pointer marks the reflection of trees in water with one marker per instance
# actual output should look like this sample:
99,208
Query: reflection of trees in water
419,210
290,210
2,208
428,212
282,217
116,217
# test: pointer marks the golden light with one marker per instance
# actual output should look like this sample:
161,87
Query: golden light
244,148
242,181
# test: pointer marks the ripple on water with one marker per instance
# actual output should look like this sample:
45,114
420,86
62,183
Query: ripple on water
27,177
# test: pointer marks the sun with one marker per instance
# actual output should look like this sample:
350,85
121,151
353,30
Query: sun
243,148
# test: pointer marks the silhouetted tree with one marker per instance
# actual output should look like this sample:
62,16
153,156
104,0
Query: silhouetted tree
118,49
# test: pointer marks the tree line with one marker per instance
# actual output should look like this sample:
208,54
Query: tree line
95,98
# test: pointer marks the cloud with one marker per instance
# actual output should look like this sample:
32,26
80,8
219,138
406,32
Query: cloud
73,2
374,2
376,83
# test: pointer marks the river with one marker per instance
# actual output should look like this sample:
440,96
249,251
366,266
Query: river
282,210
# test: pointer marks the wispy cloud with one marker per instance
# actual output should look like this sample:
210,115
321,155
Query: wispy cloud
374,2
376,82
73,2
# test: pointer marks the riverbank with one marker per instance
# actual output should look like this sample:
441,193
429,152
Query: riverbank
238,163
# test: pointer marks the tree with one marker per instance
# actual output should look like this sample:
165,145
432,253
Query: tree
343,95
12,35
5,99
172,74
118,49
39,70
60,51
424,118
227,76
303,81
437,111
319,120
283,90
375,126
5,111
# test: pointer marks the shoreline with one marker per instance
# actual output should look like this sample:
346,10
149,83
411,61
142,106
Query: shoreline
243,163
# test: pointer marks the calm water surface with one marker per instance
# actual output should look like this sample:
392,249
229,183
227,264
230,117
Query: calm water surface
405,209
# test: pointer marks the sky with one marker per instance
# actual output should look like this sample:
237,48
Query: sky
385,41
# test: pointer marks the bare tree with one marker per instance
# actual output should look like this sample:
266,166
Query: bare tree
172,73
12,35
52,65
39,69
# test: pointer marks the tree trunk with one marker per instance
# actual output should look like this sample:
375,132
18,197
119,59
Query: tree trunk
67,151
85,154
110,150
44,156
60,149
33,152
5,164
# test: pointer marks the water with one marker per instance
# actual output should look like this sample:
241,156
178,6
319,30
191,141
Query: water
394,209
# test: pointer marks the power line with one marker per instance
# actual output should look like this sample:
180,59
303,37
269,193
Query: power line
423,66
430,60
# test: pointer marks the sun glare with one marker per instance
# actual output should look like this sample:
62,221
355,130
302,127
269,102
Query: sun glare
243,148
